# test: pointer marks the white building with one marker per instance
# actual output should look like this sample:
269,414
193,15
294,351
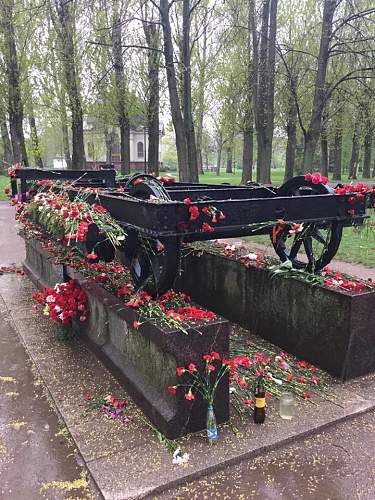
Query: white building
96,147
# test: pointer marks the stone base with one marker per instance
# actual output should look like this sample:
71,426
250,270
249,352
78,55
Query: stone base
333,329
144,360
40,266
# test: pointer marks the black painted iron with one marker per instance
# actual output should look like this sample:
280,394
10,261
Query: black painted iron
81,178
157,218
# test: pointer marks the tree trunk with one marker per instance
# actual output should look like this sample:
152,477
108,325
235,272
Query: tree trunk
199,158
219,149
118,65
319,102
218,162
337,157
331,156
291,129
247,161
108,137
265,89
178,123
65,137
153,115
65,31
35,142
248,133
201,76
299,156
153,61
229,166
188,113
15,105
367,154
60,94
355,154
206,158
324,150
7,147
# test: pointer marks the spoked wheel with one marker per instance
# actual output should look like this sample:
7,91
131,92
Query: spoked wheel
144,186
314,247
154,264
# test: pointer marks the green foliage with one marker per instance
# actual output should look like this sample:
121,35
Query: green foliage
219,71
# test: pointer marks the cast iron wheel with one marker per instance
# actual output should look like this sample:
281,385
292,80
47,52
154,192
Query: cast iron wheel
317,244
143,186
154,265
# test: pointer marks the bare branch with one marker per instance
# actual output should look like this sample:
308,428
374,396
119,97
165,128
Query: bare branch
348,76
347,20
92,42
292,89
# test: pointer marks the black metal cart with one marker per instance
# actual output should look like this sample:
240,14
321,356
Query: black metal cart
159,218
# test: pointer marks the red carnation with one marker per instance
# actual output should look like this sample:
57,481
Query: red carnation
206,228
189,396
91,256
194,213
192,368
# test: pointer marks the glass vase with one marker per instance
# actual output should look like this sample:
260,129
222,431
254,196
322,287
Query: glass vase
287,406
212,434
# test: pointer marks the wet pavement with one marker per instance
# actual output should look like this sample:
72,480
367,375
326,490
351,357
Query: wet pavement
12,248
337,464
38,458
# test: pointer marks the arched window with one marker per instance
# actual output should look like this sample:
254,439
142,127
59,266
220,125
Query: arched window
140,149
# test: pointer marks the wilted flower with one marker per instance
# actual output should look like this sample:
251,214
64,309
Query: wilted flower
179,458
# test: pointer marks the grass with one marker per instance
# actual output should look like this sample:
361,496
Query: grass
4,182
277,177
356,243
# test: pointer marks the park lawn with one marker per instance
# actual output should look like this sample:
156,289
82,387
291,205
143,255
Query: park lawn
4,182
277,177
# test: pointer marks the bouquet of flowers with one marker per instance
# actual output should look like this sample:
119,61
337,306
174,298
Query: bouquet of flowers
214,370
112,407
63,303
206,384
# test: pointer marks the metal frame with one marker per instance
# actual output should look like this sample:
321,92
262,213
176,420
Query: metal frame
93,178
154,211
